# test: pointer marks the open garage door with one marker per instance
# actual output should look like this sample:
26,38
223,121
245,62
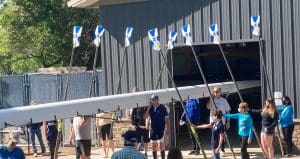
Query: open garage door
244,60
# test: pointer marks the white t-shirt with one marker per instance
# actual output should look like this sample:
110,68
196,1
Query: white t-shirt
222,105
82,132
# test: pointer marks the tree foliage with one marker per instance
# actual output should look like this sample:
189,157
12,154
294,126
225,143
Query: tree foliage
38,33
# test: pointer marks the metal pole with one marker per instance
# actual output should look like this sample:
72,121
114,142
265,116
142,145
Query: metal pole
239,93
172,125
270,91
210,95
121,71
92,84
230,71
59,122
68,76
182,105
160,73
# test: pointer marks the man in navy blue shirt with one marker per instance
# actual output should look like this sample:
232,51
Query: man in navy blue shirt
51,132
11,151
159,122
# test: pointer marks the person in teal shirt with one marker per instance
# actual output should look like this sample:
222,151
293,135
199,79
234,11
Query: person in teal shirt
245,127
286,115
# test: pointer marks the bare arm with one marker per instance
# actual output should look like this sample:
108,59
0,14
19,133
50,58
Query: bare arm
167,120
204,126
45,128
84,120
71,134
208,104
220,141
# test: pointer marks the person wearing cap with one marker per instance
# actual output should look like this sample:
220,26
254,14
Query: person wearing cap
11,150
222,105
35,129
159,122
129,150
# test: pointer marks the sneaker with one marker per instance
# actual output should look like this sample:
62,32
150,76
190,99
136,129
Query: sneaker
35,154
197,152
44,154
222,153
192,152
288,155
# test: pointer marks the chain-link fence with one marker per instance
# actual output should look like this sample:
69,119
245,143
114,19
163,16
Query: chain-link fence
19,90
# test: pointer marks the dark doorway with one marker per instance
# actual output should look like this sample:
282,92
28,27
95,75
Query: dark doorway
244,61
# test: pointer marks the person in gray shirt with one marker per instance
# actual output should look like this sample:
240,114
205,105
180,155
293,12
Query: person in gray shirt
82,131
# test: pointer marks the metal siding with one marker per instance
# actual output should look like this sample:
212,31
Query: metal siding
276,11
206,20
279,22
115,54
139,51
296,23
128,19
120,27
267,36
235,19
287,49
245,22
225,14
147,50
254,10
215,10
179,21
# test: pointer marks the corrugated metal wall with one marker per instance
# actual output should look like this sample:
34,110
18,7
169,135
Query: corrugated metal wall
280,31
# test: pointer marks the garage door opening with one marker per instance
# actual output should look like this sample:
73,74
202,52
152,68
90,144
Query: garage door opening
244,61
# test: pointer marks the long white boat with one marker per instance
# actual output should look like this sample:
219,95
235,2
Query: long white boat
88,106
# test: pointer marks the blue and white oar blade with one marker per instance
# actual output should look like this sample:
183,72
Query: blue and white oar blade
153,38
128,35
255,25
76,36
172,39
214,33
98,34
186,33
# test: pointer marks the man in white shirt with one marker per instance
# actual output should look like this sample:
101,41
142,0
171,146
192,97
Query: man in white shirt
222,105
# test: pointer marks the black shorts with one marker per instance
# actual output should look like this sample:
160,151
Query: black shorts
83,147
106,132
142,133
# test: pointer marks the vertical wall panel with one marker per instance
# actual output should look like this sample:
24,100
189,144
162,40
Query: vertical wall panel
139,51
245,19
225,16
235,19
206,20
197,16
296,32
121,26
277,43
280,34
287,49
267,36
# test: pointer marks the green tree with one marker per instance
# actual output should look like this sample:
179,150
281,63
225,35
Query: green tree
38,33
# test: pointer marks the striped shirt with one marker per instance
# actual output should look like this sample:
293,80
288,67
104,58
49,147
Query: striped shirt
128,152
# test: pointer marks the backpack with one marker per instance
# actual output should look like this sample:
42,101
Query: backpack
192,108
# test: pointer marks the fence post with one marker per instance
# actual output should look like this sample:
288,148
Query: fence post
26,94
172,130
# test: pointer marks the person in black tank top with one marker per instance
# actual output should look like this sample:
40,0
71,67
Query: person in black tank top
51,135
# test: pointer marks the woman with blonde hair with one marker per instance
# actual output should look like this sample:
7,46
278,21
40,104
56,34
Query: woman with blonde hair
269,116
